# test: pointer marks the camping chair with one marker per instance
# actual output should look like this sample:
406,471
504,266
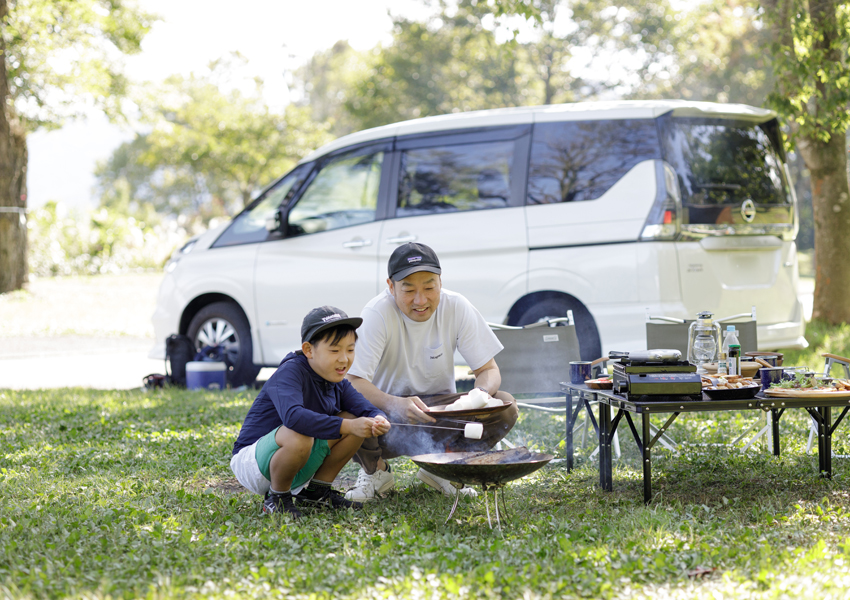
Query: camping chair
669,332
830,360
535,360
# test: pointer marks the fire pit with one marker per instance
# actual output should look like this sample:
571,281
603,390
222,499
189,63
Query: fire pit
491,470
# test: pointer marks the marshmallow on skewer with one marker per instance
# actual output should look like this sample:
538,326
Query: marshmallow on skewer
473,431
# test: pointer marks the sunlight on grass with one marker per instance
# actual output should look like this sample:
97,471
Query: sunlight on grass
127,494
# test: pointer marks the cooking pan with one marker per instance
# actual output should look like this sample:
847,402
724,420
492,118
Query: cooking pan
493,469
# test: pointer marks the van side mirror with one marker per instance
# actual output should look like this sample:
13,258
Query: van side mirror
276,223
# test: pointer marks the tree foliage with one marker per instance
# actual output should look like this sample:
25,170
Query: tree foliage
210,147
62,52
810,50
57,57
328,81
449,64
477,55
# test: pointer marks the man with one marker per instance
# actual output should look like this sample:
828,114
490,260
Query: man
405,358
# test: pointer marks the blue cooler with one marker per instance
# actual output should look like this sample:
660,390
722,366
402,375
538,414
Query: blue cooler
202,375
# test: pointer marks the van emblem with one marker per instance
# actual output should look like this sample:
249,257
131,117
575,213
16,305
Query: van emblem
748,210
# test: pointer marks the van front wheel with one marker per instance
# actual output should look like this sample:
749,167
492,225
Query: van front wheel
554,308
223,324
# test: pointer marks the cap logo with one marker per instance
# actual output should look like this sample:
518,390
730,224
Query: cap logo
333,317
414,259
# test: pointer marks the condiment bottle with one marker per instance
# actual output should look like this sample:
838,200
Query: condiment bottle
721,365
733,362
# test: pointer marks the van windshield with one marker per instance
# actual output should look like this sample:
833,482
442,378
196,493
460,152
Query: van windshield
730,172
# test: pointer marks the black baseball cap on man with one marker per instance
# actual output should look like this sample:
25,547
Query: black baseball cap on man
411,258
323,318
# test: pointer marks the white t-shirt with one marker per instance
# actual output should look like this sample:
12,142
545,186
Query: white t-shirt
403,357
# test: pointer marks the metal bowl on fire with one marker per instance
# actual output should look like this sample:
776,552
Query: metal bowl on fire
487,469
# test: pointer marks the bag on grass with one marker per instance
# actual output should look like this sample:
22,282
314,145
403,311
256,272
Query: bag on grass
178,351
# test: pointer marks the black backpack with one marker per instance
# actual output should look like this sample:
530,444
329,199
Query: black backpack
178,351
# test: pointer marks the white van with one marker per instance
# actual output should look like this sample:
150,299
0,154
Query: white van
608,209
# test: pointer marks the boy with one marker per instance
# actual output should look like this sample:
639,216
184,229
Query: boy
307,421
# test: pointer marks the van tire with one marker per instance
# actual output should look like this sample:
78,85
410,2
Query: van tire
554,308
239,347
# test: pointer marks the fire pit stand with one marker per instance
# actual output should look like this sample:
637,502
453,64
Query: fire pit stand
490,470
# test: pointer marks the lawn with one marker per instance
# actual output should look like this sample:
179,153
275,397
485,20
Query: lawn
129,494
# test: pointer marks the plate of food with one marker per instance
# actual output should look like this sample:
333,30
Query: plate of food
603,383
804,386
475,403
730,387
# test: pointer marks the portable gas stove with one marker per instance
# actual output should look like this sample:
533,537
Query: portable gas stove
655,375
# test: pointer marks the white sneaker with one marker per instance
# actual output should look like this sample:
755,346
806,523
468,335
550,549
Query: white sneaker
368,486
444,485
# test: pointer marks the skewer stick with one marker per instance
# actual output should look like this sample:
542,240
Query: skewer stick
473,431
428,426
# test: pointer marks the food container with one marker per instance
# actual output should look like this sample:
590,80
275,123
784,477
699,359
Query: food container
774,358
206,375
748,368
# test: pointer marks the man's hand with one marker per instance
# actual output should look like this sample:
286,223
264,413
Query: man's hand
411,408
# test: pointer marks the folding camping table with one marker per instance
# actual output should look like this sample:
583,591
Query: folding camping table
820,409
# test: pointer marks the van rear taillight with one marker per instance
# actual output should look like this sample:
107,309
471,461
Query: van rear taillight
664,216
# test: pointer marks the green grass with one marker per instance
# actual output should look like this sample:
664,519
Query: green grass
127,494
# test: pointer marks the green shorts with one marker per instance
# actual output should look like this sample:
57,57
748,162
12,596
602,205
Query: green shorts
266,447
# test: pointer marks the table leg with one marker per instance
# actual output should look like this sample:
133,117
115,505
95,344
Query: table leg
774,423
647,460
605,467
827,440
821,441
570,424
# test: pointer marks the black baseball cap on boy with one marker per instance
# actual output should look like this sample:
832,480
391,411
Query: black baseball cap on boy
323,318
410,258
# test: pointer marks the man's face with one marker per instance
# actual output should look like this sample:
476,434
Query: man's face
330,361
417,295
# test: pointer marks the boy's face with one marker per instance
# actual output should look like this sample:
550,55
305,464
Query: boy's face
417,295
330,362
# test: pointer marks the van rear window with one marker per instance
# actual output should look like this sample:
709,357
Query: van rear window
580,160
721,164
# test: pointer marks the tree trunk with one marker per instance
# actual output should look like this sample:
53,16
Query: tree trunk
827,162
13,198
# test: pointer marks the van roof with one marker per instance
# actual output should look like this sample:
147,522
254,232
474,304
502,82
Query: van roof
623,109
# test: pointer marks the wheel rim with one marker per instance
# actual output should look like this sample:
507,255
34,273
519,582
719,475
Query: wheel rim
219,332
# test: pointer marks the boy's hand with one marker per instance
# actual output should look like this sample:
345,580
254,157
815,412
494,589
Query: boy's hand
380,426
412,409
366,427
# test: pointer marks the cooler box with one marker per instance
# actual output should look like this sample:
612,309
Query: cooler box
202,375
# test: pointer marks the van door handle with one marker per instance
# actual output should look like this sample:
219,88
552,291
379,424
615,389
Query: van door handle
402,239
356,243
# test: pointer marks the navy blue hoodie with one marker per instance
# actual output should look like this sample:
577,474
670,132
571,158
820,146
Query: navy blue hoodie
296,396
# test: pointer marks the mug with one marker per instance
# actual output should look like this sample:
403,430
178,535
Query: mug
579,371
770,376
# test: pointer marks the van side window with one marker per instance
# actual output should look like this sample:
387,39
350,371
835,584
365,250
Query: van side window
249,226
580,160
343,193
455,178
